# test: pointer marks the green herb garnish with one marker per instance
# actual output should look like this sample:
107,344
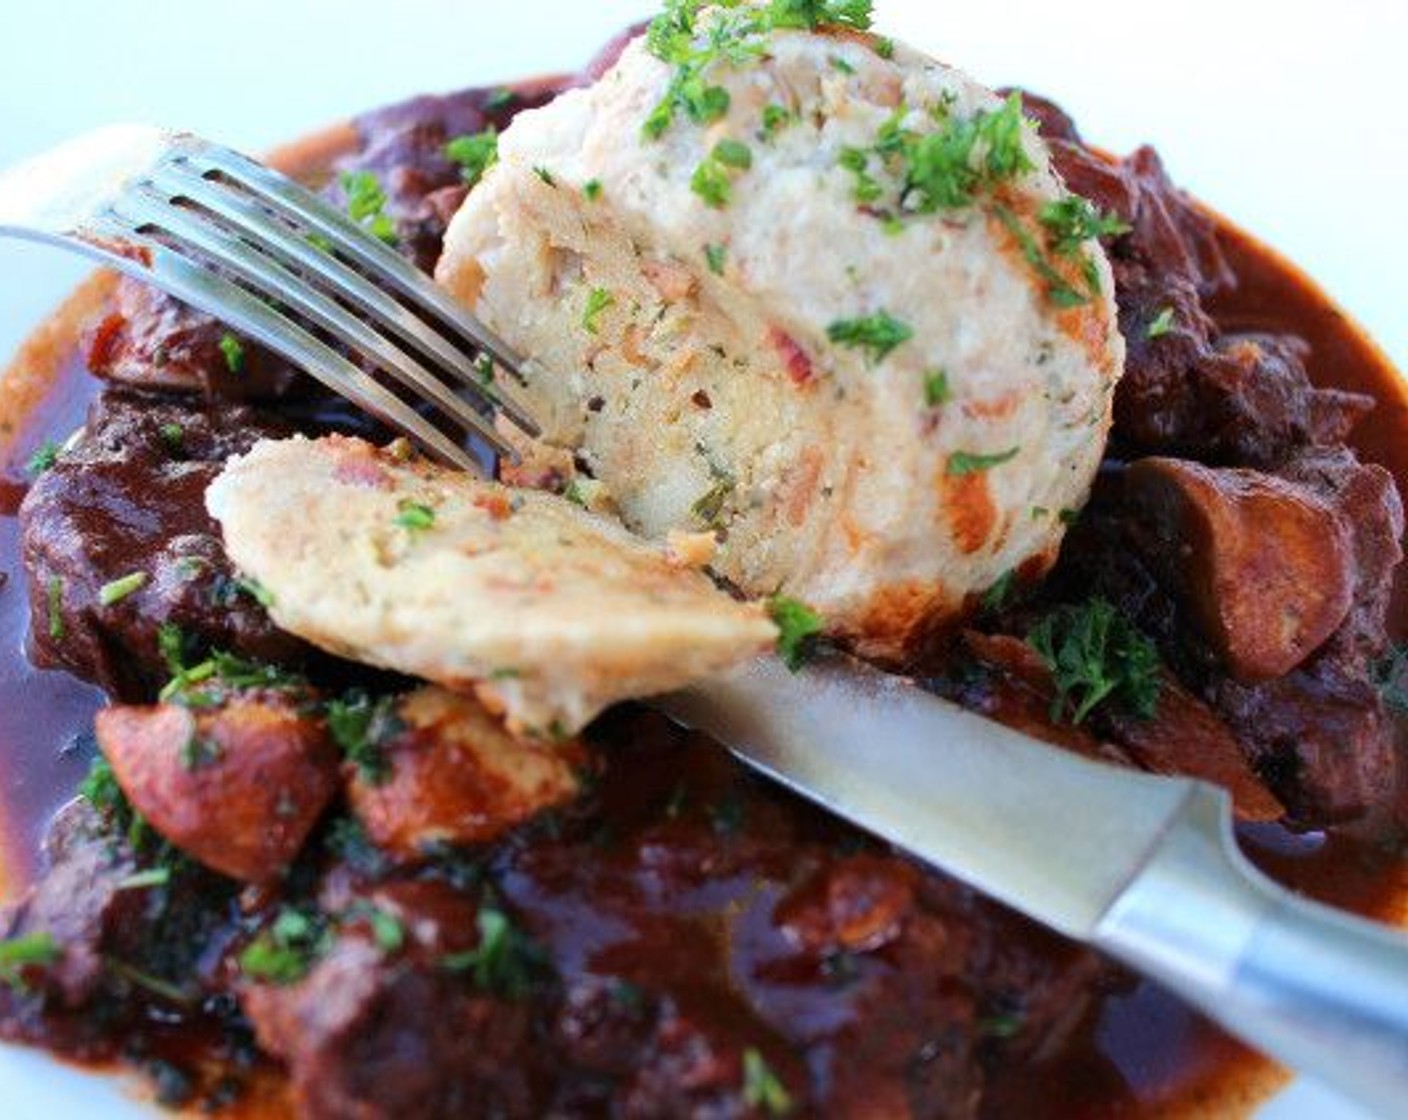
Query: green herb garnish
286,952
592,189
1095,654
366,202
54,594
415,517
715,256
762,1088
876,334
119,589
232,350
969,462
598,300
798,627
475,154
360,726
1161,324
506,962
44,457
32,950
936,388
546,176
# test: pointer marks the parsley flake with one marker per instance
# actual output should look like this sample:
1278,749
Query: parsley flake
1095,654
876,334
598,300
286,952
715,256
506,962
55,597
44,457
415,517
232,350
475,154
971,462
361,726
366,202
592,189
18,954
798,627
762,1088
936,388
546,176
119,589
1161,324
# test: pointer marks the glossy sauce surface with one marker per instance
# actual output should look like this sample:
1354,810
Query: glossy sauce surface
1137,1052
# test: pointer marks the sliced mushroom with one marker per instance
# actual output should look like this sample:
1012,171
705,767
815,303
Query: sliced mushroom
1263,565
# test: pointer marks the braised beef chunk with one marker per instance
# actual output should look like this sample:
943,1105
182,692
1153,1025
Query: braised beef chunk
150,340
124,510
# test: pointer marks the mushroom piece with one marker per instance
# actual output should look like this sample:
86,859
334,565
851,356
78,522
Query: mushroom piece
1263,566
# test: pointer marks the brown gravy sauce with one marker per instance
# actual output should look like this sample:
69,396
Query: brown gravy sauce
1140,1052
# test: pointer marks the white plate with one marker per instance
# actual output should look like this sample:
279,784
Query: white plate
1288,117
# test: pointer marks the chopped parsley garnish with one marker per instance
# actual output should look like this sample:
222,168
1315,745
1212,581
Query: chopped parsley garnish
145,880
545,175
232,350
256,591
44,457
598,300
775,119
798,627
876,334
475,154
709,507
223,669
936,388
971,462
840,64
506,962
414,517
715,256
713,178
1072,221
360,726
366,201
762,1088
735,35
733,153
119,589
885,48
54,594
950,168
286,952
1059,290
1095,654
32,950
174,436
710,182
1162,323
592,189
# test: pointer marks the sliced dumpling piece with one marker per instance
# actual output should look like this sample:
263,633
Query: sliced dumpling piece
548,612
852,320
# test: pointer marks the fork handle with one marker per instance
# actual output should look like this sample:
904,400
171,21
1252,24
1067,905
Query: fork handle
1318,990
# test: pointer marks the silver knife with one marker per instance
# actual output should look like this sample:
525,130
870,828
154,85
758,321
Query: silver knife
1143,868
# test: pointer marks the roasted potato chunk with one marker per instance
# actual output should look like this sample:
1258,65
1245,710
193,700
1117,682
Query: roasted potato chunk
455,775
237,787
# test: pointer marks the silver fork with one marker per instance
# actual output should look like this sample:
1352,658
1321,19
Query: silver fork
270,258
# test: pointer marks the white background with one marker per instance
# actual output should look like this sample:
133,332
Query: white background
1288,116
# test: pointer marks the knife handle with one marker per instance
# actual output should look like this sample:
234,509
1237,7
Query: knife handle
1317,989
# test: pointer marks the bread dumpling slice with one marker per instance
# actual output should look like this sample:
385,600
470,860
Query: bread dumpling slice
549,613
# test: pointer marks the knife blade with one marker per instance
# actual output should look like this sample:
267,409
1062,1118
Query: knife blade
1141,866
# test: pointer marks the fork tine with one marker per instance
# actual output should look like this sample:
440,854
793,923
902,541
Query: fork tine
351,240
144,206
253,223
148,260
